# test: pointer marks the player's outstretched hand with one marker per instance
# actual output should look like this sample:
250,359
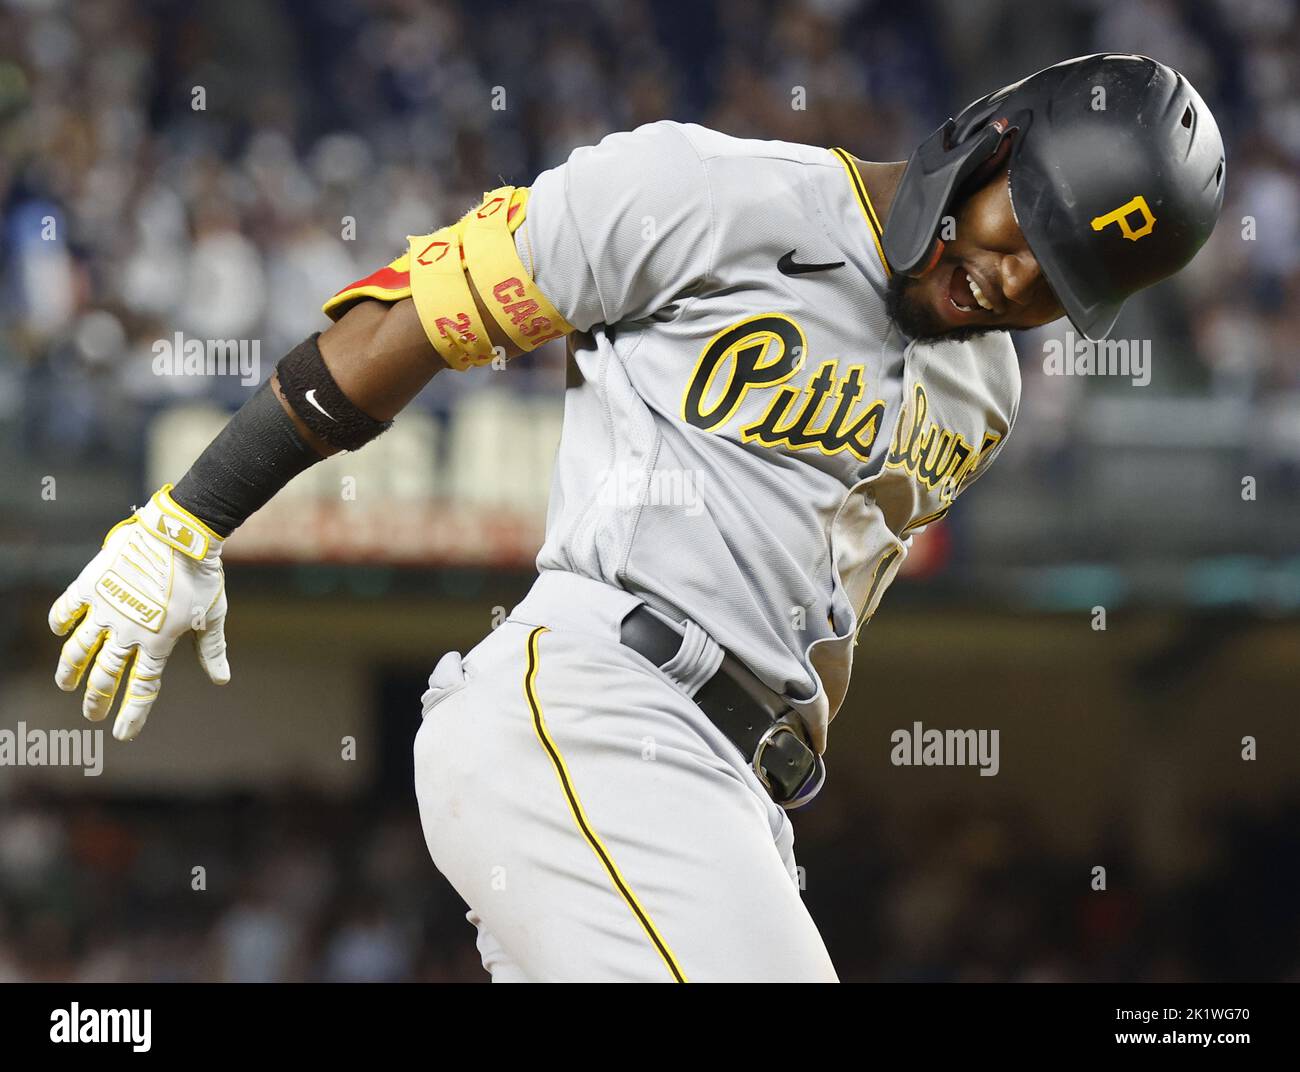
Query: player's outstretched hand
157,577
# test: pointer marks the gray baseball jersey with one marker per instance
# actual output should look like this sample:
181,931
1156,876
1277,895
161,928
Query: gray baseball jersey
749,443
749,447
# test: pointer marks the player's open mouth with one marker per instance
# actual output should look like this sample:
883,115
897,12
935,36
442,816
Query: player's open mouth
965,294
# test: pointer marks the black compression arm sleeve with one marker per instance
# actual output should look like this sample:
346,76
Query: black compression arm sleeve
255,456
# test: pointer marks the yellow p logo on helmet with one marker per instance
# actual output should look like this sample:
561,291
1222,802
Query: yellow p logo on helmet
1121,215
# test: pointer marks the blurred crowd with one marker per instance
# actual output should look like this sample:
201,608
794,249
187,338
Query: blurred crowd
219,168
300,888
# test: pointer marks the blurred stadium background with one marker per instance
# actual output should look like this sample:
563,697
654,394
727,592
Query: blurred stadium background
1120,748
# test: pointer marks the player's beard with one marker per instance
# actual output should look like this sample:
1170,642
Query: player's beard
918,321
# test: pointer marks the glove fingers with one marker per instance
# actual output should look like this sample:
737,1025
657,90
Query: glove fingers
67,609
211,646
78,650
142,687
102,682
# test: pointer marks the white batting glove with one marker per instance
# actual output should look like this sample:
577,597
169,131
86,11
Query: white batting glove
158,577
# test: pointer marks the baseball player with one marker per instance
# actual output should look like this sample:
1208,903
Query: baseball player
769,395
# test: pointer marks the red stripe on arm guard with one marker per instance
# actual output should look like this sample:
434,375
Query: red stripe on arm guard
387,284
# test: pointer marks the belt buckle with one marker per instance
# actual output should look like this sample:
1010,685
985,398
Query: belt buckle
810,786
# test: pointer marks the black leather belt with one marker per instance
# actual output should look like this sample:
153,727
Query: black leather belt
770,735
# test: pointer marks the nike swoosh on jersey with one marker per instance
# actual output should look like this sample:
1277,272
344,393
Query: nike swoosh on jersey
787,265
310,396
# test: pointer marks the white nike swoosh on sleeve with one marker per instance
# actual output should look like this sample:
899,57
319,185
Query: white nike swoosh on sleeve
310,396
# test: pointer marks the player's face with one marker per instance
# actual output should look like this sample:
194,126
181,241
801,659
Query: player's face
986,280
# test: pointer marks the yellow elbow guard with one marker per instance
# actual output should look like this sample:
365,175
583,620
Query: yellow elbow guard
436,271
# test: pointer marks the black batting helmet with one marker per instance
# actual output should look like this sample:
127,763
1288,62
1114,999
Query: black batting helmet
1116,175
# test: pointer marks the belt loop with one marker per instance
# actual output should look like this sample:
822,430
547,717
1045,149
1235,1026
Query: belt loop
696,660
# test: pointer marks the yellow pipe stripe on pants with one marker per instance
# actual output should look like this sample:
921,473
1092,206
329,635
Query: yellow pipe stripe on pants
580,817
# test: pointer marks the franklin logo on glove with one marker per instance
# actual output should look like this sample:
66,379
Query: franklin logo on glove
123,628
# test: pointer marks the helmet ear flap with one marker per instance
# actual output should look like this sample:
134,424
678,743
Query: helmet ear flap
934,174
985,171
982,174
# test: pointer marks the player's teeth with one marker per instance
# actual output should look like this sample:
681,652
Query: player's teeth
979,295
